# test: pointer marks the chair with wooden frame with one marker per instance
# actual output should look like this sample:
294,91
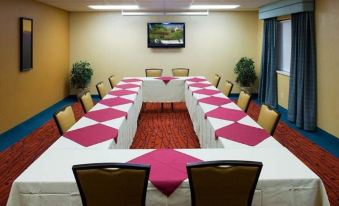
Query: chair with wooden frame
101,89
64,118
226,90
223,182
112,81
153,72
102,184
86,102
244,100
180,72
215,80
268,118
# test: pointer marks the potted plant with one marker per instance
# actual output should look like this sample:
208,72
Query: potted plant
245,72
81,75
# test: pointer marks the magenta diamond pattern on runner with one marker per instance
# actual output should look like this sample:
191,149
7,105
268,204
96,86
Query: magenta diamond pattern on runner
168,168
127,86
103,115
92,135
242,133
111,102
217,101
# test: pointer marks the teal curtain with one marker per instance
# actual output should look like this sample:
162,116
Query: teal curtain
268,78
302,104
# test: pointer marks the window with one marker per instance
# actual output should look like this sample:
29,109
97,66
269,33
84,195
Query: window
284,46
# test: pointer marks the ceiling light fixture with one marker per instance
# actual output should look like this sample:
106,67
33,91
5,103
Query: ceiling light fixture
114,7
132,13
198,13
213,7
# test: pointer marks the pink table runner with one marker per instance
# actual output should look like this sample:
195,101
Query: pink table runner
217,101
206,91
122,92
200,85
196,79
127,86
132,80
103,115
226,114
91,135
242,133
111,102
166,80
168,168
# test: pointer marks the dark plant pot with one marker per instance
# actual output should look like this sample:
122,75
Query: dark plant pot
81,91
248,89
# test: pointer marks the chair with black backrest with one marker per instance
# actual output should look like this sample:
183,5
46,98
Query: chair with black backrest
223,182
180,72
244,100
112,81
215,80
86,101
102,184
226,90
64,118
268,118
101,89
154,72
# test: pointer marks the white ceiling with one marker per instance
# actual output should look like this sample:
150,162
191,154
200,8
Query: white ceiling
154,5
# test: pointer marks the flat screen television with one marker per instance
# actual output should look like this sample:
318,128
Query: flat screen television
166,35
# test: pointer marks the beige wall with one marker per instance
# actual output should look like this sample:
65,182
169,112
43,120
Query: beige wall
24,94
327,38
283,90
116,44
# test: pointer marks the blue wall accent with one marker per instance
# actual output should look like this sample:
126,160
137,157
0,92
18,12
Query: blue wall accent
15,134
285,7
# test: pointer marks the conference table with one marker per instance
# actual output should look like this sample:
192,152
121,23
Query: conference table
106,133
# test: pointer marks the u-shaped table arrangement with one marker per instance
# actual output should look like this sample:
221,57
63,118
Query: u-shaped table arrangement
106,133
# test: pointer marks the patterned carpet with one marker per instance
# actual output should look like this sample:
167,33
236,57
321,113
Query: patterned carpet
172,130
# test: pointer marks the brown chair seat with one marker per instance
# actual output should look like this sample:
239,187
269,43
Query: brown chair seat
103,184
86,102
268,118
102,91
180,72
154,72
223,182
244,100
64,118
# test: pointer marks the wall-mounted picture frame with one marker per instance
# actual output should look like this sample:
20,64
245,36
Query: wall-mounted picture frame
26,44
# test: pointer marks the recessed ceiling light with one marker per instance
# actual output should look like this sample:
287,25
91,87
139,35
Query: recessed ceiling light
114,7
212,7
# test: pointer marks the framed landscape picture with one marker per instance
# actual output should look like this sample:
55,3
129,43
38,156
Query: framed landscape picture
26,44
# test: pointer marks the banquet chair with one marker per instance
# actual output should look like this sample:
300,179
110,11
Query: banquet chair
101,89
102,184
86,102
64,118
216,79
226,90
112,81
223,182
180,72
244,100
153,72
268,118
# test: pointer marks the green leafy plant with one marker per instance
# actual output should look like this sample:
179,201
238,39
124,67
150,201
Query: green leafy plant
245,72
81,74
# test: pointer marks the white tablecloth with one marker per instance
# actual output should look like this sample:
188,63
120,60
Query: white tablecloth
284,180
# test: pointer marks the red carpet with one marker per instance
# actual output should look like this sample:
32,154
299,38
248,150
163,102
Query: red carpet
172,130
165,129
